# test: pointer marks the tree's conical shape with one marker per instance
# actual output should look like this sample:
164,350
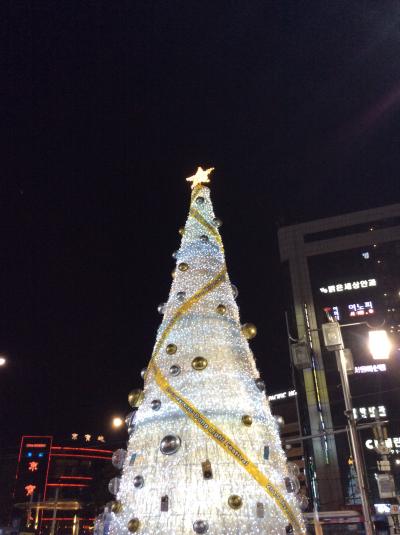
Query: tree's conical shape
205,455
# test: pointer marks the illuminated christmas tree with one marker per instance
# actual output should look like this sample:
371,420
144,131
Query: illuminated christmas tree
204,454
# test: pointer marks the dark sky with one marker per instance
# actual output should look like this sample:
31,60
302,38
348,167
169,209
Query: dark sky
108,107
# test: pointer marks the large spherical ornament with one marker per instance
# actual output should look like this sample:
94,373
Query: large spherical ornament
221,309
133,525
175,370
143,373
118,458
235,502
199,363
182,231
138,482
303,501
175,255
155,404
161,308
293,469
183,266
171,349
289,529
181,296
260,385
200,526
116,507
170,444
247,420
217,222
279,420
129,418
292,484
204,238
200,200
135,398
113,486
235,291
249,330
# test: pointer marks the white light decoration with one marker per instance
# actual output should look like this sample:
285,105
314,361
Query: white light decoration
379,344
223,392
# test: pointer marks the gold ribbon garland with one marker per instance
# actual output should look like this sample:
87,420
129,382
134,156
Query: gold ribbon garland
192,412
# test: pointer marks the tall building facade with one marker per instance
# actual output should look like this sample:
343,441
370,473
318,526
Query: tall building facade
348,265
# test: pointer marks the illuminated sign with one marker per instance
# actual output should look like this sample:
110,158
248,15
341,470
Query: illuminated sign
370,368
33,463
348,286
283,395
393,444
361,309
365,413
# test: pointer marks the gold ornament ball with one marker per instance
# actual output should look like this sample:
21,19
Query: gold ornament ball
182,231
135,397
249,330
221,309
199,363
116,507
133,525
173,273
183,266
235,502
171,349
247,420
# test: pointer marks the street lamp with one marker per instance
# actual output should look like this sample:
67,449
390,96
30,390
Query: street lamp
334,342
379,344
117,422
3,360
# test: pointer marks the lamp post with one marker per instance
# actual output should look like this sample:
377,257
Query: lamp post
334,342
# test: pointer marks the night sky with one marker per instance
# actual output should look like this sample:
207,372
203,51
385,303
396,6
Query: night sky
108,106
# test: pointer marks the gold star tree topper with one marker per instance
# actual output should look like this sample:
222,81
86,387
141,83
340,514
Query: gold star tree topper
201,176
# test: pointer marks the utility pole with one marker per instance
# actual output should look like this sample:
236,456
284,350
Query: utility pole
334,342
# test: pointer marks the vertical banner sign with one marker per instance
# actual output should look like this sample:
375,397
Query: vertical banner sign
33,464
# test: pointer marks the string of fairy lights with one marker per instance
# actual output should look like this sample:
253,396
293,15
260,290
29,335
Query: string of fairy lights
175,479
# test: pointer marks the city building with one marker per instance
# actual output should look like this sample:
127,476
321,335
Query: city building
347,266
62,485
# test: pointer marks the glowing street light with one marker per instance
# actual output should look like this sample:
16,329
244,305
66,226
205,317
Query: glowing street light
379,344
117,422
3,360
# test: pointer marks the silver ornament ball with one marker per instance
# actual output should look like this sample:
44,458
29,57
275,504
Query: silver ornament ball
200,200
204,238
235,291
174,370
113,486
138,482
200,526
155,404
143,373
170,444
217,222
118,458
260,384
161,308
181,296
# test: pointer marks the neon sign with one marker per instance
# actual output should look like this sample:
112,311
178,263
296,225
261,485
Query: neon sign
364,413
348,286
282,395
370,368
361,309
